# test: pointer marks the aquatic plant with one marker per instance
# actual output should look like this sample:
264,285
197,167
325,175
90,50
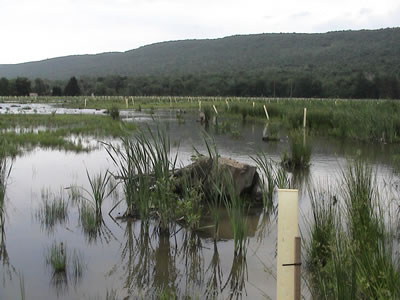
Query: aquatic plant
236,209
145,170
53,210
65,264
114,112
5,170
57,257
356,260
273,176
300,152
98,193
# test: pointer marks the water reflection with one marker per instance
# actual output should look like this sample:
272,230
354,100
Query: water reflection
237,278
66,266
53,210
215,275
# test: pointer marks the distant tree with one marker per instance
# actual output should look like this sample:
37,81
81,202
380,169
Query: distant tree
56,91
40,87
72,88
307,87
22,86
364,88
4,87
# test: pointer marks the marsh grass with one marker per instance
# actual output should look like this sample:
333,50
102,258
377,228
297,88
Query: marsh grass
5,170
300,152
355,258
65,265
53,210
237,213
145,168
273,176
57,257
57,130
99,190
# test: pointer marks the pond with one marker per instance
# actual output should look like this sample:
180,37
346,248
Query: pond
127,259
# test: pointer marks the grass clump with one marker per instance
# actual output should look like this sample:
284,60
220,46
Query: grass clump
57,257
99,190
64,264
355,258
237,210
145,170
114,112
53,210
300,152
272,176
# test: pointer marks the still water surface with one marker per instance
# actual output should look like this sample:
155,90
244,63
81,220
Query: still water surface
133,261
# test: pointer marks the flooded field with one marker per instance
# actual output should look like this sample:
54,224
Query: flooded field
130,259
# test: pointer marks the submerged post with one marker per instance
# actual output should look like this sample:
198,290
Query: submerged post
287,232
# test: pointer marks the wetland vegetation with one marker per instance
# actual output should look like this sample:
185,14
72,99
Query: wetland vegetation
173,231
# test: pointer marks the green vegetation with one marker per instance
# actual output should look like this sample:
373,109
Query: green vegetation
57,258
237,211
272,176
53,210
300,152
99,186
64,264
346,64
114,112
352,249
53,131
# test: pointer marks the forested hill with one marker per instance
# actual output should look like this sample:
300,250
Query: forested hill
323,54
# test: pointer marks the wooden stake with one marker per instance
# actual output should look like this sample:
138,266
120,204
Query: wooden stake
266,112
215,109
297,268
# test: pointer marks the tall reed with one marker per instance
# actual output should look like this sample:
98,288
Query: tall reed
300,152
272,176
237,210
98,193
145,169
356,257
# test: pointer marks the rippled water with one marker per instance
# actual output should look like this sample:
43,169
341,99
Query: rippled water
132,259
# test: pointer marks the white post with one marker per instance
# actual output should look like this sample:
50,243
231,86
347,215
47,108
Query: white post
199,105
305,117
85,102
215,109
287,232
126,102
266,112
227,104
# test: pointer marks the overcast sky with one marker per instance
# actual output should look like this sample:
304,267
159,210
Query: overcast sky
39,29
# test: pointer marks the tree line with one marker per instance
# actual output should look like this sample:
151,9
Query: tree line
280,84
